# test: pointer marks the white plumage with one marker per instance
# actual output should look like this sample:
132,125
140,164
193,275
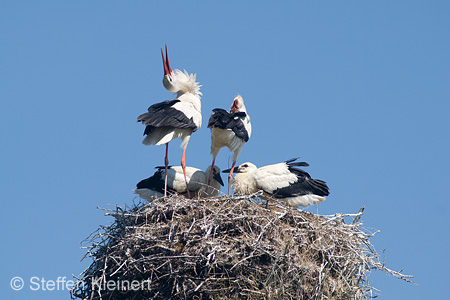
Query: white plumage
177,118
153,187
225,138
280,181
230,129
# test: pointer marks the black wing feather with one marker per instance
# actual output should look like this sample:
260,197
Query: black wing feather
162,105
155,182
290,162
220,118
305,184
164,115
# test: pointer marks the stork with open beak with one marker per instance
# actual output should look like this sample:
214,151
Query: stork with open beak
280,181
154,186
177,118
229,129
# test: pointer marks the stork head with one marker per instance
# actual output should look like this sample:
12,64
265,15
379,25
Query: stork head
216,174
168,79
176,81
243,168
238,105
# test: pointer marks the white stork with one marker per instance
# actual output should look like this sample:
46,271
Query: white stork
280,181
154,186
177,118
230,129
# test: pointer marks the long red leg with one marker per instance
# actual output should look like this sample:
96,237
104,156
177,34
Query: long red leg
183,165
166,164
230,177
211,172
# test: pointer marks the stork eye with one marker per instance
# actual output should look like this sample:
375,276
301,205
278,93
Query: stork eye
245,166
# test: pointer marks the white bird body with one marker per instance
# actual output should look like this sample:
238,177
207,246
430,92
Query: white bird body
192,106
230,129
225,138
173,119
177,118
163,135
153,187
280,181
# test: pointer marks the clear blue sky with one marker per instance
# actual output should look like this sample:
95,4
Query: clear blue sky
359,89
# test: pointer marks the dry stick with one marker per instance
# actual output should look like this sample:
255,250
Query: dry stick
346,251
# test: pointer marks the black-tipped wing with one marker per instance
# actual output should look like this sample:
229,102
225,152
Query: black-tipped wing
222,119
303,186
291,162
155,182
285,180
165,115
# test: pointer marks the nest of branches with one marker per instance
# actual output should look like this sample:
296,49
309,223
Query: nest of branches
228,248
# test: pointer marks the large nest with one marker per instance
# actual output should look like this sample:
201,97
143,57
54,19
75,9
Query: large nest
228,248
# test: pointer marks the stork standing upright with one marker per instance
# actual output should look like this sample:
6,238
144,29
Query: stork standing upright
280,181
153,187
177,118
229,129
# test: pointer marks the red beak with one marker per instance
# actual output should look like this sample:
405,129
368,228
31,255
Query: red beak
167,69
234,106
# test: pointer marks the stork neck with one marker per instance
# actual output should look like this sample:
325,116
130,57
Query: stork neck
190,97
182,93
